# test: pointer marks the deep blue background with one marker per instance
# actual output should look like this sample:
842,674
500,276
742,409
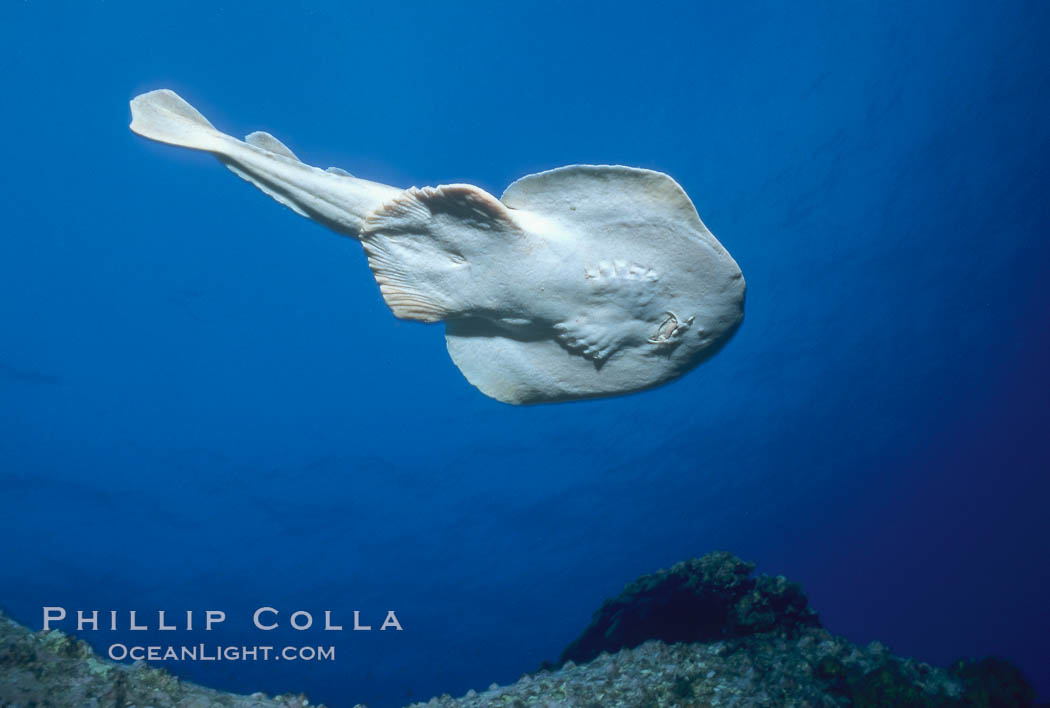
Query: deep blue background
204,402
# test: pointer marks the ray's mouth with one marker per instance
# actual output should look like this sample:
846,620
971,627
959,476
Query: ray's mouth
671,330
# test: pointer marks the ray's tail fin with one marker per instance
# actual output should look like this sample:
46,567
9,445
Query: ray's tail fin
162,115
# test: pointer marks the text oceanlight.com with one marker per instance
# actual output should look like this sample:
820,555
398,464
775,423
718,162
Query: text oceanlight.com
203,652
263,620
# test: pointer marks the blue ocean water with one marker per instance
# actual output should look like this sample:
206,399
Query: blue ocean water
205,404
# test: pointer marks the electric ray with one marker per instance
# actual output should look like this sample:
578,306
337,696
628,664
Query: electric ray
581,281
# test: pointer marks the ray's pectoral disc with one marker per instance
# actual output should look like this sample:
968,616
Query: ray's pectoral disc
587,280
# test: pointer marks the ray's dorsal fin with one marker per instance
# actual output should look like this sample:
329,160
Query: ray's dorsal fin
421,245
265,141
598,194
338,171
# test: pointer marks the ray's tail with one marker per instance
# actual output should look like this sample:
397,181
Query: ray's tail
333,198
162,115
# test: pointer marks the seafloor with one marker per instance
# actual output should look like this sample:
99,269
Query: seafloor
703,633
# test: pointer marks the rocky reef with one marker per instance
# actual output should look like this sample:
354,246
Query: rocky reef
808,670
698,600
703,633
706,633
